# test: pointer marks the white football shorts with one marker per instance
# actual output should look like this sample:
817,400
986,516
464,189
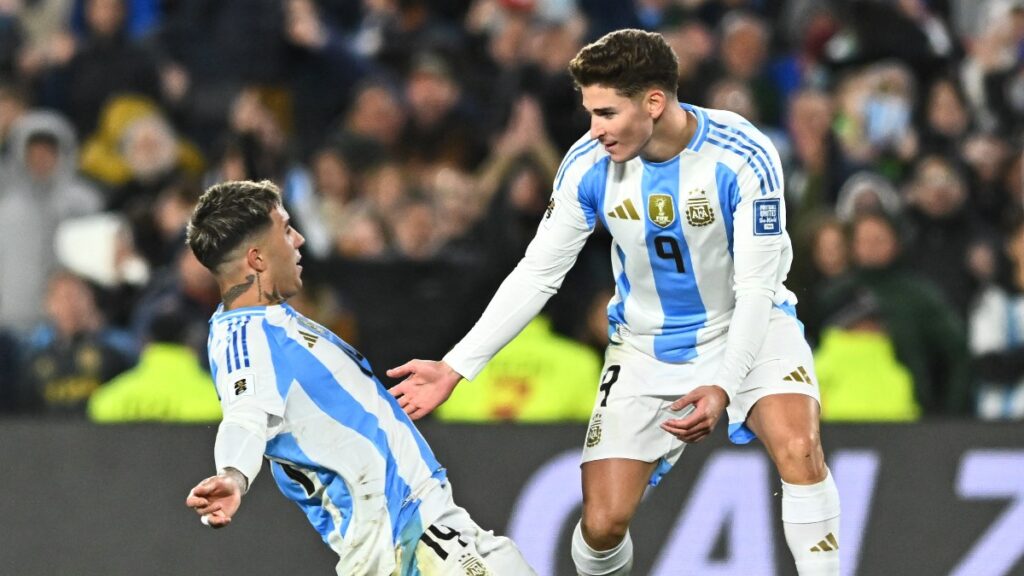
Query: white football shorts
454,545
636,390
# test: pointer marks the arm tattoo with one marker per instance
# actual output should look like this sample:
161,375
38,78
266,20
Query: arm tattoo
237,290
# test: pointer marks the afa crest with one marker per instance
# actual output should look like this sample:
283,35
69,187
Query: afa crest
698,209
660,210
594,432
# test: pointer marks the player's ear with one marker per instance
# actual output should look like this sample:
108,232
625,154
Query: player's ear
655,102
255,258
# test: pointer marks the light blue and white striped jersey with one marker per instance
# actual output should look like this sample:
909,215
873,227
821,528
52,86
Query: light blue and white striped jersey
690,236
676,227
339,445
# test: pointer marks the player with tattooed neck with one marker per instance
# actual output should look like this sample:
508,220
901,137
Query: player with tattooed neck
338,444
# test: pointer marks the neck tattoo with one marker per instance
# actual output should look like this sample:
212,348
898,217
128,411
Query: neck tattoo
237,290
272,297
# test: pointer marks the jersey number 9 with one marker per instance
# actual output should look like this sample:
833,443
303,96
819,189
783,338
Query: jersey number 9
666,247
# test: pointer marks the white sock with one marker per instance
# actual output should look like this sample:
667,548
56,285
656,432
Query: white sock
810,519
589,562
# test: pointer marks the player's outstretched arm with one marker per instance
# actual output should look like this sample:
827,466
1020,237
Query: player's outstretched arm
708,403
217,498
427,384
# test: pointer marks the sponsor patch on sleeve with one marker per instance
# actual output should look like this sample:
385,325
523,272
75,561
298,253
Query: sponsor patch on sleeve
243,384
767,217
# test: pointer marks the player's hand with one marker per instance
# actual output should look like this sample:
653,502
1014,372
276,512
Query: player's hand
217,498
708,401
427,384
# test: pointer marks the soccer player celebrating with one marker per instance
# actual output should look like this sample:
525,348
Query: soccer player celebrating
700,321
339,446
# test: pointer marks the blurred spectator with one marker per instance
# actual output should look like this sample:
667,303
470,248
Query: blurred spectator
111,265
743,53
928,336
135,152
549,46
39,190
73,354
414,228
441,129
818,165
47,40
335,189
160,243
13,105
364,237
372,127
944,238
858,372
876,112
209,51
458,205
988,158
430,129
822,258
539,376
323,69
259,127
106,63
904,29
997,338
395,31
694,46
992,71
385,187
189,290
865,192
946,118
167,385
515,183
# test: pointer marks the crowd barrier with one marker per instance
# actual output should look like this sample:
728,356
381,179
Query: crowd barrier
925,499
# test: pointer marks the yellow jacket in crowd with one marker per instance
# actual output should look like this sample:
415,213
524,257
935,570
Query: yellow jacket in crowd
539,376
168,385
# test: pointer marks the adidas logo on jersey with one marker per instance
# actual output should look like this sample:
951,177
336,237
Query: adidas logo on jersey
799,375
827,545
309,338
625,211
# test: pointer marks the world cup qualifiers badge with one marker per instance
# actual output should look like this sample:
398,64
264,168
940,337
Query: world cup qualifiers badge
767,217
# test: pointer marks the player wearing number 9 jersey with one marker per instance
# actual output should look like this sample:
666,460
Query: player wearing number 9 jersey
694,201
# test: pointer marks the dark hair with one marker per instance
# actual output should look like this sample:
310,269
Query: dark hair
43,137
630,61
227,214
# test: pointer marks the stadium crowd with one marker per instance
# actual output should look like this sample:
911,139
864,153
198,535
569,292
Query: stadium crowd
415,142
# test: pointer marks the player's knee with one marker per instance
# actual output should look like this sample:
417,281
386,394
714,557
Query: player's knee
604,529
800,458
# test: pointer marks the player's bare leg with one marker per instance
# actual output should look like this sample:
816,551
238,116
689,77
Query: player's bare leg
787,425
612,490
